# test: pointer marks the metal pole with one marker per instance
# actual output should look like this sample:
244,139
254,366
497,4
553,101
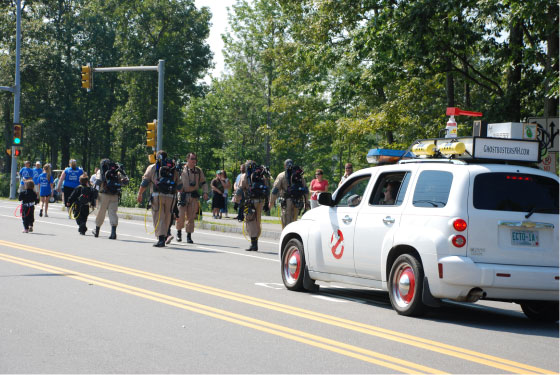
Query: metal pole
161,69
16,98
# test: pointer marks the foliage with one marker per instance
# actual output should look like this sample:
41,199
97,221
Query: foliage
317,81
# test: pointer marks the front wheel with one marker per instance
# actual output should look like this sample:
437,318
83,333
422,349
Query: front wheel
293,265
405,285
541,311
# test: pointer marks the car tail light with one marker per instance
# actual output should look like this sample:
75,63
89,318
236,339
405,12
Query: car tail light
458,240
440,270
460,225
518,178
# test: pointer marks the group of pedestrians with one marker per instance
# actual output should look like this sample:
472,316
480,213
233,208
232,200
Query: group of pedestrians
173,188
80,193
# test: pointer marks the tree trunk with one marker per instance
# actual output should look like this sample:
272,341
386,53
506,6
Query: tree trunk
450,84
467,88
551,67
513,96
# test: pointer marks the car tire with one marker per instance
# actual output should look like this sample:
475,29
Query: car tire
541,311
293,265
405,285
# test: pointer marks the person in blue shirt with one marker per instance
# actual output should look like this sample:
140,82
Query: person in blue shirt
25,173
69,180
46,188
36,172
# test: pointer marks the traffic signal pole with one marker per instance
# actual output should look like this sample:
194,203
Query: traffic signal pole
17,92
160,69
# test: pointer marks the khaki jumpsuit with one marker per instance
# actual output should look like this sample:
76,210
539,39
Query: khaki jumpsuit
190,210
107,203
290,211
253,221
162,204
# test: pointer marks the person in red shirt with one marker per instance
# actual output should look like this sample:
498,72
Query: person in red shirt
318,185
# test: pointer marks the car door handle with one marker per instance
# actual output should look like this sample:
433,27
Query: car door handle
347,219
388,220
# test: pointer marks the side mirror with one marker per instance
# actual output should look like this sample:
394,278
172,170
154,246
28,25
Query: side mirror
325,199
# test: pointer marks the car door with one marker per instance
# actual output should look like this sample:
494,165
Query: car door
378,220
337,228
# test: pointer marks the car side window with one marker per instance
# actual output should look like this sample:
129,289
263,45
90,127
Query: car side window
390,189
352,192
432,189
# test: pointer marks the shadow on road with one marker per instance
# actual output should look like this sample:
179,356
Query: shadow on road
474,315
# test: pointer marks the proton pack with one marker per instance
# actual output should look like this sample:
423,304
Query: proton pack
257,176
296,187
110,176
165,173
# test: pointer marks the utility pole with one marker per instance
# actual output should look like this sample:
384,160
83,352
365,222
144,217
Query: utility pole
16,89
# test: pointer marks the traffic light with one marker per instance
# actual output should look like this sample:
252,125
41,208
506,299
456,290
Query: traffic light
87,77
17,152
17,138
151,134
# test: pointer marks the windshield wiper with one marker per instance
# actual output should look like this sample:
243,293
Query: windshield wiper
540,209
433,203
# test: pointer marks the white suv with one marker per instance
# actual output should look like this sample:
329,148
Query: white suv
429,229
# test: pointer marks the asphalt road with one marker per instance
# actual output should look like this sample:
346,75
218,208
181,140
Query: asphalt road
75,304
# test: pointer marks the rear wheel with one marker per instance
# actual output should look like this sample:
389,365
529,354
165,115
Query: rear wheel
293,265
542,311
405,285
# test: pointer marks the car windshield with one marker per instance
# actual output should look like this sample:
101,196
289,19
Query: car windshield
515,192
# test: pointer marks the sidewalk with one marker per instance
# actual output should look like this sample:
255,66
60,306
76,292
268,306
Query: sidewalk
270,229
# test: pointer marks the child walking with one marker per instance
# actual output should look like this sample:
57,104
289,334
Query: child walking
82,198
28,199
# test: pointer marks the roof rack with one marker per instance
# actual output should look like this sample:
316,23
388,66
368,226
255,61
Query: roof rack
477,149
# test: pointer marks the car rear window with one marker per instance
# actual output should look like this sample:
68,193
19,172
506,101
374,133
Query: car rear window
432,189
515,192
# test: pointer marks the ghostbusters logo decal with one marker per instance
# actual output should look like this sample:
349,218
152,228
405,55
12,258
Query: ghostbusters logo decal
337,244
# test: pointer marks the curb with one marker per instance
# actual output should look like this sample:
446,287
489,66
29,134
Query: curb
206,225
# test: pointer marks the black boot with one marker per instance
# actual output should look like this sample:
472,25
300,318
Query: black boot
179,236
189,239
95,232
113,235
254,244
161,242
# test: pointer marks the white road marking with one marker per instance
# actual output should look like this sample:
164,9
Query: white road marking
271,285
60,213
151,239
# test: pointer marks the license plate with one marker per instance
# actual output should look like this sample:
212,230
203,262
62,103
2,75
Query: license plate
525,238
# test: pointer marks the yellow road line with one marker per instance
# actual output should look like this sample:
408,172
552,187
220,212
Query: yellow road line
352,351
454,351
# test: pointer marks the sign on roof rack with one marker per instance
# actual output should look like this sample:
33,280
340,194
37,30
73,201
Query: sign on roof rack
478,148
506,149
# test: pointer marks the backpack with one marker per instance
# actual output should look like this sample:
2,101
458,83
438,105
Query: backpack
257,175
165,172
110,175
296,187
86,197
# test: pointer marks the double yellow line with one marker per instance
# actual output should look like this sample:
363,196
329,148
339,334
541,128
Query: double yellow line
352,351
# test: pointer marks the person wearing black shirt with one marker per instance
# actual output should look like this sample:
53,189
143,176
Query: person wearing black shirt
82,198
28,199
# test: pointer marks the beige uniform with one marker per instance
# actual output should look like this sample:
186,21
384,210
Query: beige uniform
162,204
252,220
289,210
107,203
190,209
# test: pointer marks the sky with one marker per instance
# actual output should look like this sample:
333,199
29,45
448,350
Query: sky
219,24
